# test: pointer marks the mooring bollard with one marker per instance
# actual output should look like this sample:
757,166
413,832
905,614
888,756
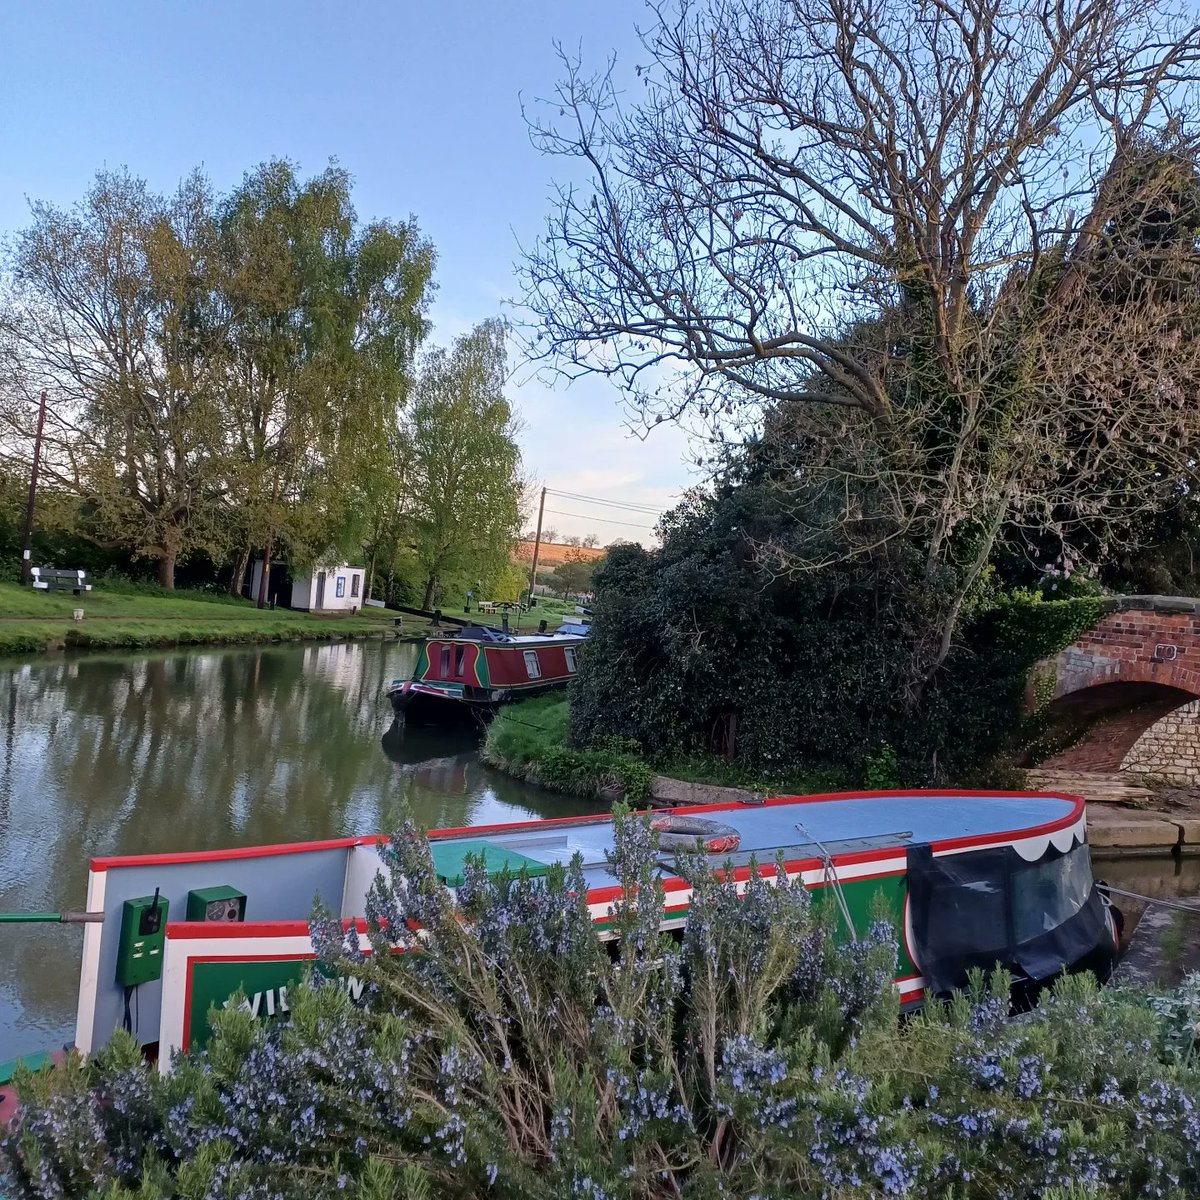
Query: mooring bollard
78,614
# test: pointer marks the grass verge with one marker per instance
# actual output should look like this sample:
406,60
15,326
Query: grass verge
528,741
33,622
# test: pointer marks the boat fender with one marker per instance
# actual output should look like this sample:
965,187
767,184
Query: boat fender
683,833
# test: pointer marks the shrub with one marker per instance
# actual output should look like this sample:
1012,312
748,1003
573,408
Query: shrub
529,742
515,1056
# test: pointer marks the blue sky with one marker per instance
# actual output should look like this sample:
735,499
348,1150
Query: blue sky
420,102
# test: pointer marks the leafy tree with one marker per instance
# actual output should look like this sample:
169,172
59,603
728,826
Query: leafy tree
111,312
462,485
897,227
324,323
574,574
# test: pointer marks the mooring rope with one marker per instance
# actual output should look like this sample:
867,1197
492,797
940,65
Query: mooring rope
831,878
1116,891
61,918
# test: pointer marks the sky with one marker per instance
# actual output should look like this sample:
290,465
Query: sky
420,102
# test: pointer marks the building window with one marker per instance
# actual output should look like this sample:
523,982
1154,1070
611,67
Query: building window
341,586
354,584
532,666
460,660
569,651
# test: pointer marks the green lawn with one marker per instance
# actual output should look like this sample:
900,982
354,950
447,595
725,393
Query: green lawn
120,615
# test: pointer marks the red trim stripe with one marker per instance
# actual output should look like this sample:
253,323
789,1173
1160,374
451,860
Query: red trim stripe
190,930
193,856
1077,802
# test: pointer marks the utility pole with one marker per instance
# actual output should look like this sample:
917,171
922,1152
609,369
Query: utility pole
537,545
27,542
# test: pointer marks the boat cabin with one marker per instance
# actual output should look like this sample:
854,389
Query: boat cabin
970,879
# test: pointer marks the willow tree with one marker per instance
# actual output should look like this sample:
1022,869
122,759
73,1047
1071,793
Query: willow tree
462,483
881,233
324,318
109,310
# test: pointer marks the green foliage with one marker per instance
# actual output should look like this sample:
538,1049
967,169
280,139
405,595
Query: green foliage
520,1054
226,372
529,741
813,672
448,519
881,770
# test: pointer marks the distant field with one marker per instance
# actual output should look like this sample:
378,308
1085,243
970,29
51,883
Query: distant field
552,553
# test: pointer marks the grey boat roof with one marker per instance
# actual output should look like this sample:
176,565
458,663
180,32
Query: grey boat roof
804,827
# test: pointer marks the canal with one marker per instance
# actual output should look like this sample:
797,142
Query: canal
145,752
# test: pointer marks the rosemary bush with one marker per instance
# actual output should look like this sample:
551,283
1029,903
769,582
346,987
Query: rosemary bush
519,1055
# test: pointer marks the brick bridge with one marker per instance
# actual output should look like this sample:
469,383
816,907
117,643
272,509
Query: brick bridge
1133,681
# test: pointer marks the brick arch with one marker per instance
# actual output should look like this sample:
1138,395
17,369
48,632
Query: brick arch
1138,663
1140,639
1116,716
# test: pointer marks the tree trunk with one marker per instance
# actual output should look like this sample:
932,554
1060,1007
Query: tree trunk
430,584
266,572
166,570
238,581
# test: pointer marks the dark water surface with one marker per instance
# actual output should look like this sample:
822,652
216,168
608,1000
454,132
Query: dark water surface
138,753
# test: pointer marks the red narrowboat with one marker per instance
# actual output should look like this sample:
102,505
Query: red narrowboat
469,673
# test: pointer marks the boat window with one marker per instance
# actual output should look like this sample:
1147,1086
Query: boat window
341,585
445,662
354,579
460,658
569,651
1048,892
532,667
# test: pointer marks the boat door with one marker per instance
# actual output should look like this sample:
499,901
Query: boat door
320,589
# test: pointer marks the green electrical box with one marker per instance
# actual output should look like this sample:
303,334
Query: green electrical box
216,904
143,933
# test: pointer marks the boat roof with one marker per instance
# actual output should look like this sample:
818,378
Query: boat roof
802,827
497,637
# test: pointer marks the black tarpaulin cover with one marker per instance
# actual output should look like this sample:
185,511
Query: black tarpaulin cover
987,907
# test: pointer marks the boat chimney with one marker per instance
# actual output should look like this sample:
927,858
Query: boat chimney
504,622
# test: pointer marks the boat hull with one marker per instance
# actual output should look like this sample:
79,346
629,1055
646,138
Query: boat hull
420,704
428,704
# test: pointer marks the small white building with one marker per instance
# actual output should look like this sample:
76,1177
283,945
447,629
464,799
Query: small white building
321,589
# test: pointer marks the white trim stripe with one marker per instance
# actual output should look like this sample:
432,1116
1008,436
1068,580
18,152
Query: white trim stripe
89,965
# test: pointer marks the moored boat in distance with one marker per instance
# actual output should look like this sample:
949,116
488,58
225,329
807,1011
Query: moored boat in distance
467,674
969,880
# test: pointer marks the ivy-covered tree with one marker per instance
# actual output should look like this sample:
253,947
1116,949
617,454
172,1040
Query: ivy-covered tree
902,229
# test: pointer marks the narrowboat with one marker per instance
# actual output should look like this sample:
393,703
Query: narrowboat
970,879
467,674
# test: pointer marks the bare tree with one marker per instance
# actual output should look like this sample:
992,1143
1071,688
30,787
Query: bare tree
880,232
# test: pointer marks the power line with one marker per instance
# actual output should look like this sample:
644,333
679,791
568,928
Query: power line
558,512
624,504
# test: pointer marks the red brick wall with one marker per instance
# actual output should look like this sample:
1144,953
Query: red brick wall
1125,647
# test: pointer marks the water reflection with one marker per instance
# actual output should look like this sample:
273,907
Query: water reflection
185,751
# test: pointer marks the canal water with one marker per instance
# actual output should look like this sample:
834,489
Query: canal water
138,753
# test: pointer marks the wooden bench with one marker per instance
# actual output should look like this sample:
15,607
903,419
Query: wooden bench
48,579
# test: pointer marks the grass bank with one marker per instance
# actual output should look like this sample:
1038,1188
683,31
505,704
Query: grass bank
118,616
528,741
